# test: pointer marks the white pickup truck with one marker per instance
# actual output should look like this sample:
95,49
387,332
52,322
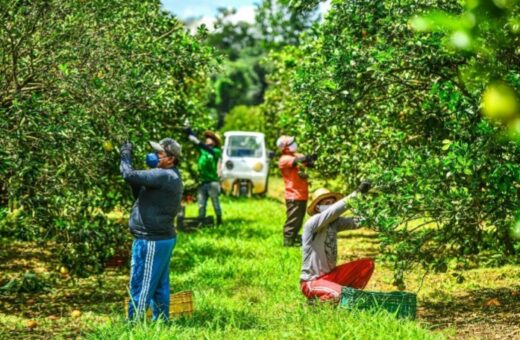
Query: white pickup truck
245,163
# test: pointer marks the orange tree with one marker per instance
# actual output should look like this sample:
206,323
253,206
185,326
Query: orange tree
379,101
76,79
488,32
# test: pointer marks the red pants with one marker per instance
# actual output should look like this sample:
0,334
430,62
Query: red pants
355,274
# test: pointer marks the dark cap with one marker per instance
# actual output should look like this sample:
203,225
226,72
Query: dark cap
168,146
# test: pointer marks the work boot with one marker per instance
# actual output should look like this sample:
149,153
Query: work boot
288,242
312,302
292,242
219,219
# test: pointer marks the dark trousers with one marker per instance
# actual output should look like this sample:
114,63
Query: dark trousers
295,215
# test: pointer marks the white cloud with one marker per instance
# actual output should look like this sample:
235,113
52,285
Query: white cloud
207,20
243,14
324,7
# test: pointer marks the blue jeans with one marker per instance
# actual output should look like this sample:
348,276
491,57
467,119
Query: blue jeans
150,278
205,190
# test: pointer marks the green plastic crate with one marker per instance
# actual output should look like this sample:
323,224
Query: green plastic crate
402,304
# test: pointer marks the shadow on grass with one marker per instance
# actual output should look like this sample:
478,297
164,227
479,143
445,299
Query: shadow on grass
488,312
188,257
87,296
242,228
16,256
357,236
213,318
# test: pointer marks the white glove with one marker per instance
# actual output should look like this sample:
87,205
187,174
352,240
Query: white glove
351,196
194,139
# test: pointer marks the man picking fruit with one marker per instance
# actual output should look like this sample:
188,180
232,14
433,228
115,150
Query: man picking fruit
158,194
291,165
209,164
320,277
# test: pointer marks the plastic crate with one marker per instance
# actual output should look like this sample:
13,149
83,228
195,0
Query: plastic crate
192,223
402,304
181,303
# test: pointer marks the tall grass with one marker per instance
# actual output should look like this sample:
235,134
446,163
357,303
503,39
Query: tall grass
246,285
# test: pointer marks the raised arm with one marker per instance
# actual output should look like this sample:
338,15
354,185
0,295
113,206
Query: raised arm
147,178
196,141
305,160
321,220
349,223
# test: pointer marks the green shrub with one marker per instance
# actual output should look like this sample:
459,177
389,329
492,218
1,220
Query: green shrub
78,78
244,118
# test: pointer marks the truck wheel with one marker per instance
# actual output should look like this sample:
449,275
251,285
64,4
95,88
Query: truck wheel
244,189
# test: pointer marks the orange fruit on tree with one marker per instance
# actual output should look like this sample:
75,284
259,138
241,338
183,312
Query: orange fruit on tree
108,146
31,324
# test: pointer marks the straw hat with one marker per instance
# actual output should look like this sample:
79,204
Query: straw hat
212,135
319,195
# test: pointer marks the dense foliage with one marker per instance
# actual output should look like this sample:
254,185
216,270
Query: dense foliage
374,97
378,100
489,32
243,47
77,78
244,118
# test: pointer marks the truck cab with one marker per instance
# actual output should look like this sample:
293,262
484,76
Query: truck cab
245,163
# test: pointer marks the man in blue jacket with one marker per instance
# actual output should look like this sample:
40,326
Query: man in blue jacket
158,194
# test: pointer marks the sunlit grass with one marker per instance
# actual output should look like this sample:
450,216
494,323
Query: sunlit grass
245,285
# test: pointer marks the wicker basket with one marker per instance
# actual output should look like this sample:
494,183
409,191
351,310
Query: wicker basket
180,304
402,304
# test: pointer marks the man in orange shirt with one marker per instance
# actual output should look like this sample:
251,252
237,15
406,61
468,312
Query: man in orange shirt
296,187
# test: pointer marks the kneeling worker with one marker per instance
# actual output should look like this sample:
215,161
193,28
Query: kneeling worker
320,277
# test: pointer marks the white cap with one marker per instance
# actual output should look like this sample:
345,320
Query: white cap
284,141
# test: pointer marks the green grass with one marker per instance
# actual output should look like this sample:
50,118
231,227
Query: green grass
245,285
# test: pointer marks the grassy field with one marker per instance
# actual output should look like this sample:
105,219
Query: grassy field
245,285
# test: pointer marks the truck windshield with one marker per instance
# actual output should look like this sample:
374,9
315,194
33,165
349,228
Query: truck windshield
244,146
